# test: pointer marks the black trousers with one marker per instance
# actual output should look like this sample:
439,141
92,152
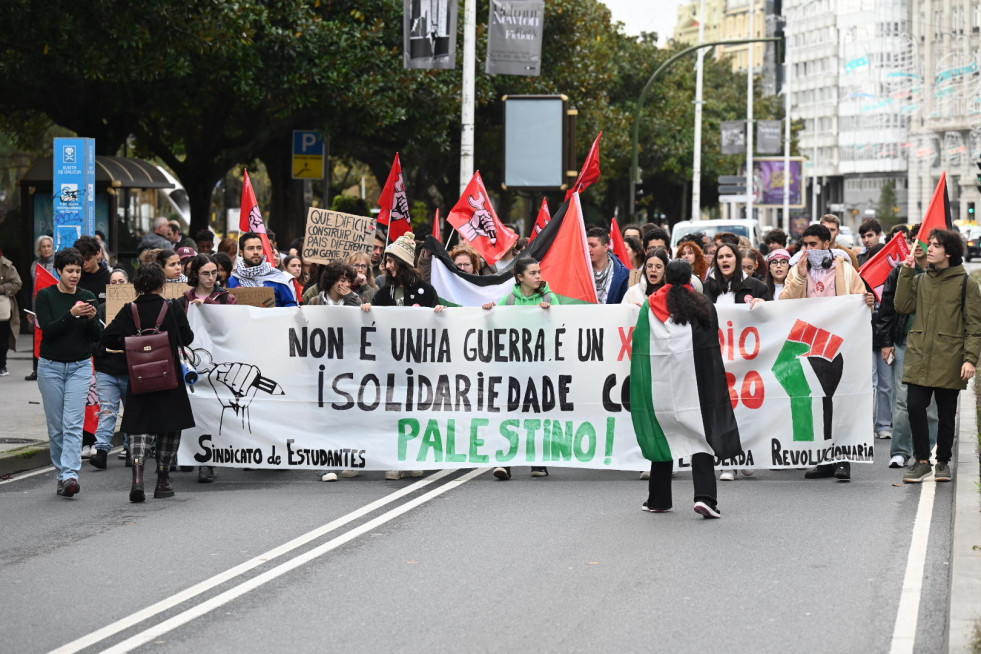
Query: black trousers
917,401
703,476
4,341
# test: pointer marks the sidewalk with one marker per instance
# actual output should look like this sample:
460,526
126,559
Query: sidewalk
23,431
965,543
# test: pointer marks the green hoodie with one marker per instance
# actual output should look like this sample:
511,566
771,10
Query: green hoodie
518,299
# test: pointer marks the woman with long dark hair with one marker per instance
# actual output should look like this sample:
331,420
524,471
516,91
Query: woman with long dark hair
651,281
170,262
728,284
66,315
404,287
679,313
529,290
778,267
202,277
157,415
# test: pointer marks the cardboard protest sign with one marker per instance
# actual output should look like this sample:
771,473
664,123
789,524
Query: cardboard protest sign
334,235
119,294
254,296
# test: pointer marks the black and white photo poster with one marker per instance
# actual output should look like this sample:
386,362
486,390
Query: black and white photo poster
429,29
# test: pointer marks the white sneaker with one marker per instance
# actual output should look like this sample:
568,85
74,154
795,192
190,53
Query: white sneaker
393,474
86,451
885,433
646,474
348,474
329,476
727,475
898,461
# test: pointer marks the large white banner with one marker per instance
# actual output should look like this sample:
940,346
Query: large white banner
406,388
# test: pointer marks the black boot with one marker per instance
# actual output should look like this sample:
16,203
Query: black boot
206,474
99,459
136,493
164,487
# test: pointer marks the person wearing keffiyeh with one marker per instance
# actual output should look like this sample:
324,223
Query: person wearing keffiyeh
254,271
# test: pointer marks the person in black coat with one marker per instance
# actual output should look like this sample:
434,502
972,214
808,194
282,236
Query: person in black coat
728,277
160,414
404,285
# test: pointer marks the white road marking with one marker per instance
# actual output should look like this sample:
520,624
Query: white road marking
24,475
904,632
163,605
203,608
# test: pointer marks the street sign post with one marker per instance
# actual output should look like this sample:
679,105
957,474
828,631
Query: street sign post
74,190
308,154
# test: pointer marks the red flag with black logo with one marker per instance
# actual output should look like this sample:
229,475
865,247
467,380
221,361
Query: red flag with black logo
543,217
394,203
937,215
619,246
474,217
250,219
877,269
590,170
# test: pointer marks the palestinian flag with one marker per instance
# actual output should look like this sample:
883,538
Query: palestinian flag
937,215
677,413
561,249
877,269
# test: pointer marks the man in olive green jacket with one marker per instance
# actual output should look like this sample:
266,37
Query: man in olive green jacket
942,346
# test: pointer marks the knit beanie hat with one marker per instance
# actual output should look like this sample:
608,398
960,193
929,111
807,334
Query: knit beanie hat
404,248
778,254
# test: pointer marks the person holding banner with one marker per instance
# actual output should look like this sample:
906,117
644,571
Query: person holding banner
821,272
254,271
364,280
157,415
651,281
404,287
66,315
778,267
943,345
529,290
335,281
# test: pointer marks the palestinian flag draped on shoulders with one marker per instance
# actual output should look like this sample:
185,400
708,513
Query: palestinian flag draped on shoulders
676,413
560,248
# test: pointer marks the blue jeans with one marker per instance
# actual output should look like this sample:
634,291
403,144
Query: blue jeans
64,390
882,385
902,436
112,390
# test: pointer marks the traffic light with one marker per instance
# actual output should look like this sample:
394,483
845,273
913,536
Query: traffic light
638,196
970,211
978,162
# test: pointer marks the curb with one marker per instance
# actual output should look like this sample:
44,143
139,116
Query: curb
965,556
33,456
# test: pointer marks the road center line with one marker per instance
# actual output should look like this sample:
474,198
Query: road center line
166,604
904,632
251,584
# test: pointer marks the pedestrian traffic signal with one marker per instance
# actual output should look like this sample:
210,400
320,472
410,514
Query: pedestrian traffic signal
970,210
638,196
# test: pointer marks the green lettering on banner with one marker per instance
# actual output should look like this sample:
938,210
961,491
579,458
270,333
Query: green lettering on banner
431,441
408,429
560,442
531,426
451,455
476,441
588,433
507,431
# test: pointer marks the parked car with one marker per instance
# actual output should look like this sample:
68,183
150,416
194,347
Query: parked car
972,247
740,227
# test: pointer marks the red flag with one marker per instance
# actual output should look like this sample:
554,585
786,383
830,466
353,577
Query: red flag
937,215
394,203
590,170
92,408
474,217
877,269
437,227
565,265
250,219
42,280
543,217
619,247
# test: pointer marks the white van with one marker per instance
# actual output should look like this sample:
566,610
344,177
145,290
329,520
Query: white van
748,228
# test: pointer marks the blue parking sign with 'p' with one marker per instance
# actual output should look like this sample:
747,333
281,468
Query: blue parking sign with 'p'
308,143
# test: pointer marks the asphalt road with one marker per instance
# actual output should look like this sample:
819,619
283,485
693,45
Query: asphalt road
568,562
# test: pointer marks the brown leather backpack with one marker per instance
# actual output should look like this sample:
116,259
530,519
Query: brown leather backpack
148,356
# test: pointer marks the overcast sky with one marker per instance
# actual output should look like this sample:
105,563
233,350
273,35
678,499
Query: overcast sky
646,15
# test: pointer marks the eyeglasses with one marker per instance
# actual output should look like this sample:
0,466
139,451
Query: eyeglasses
360,266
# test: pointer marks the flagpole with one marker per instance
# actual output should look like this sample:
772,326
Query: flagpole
469,73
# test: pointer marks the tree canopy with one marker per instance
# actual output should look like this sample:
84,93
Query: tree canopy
205,85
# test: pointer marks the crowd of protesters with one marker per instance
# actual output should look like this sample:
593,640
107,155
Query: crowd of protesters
926,324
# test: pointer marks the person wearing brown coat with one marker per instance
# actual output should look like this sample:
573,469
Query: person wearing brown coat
10,284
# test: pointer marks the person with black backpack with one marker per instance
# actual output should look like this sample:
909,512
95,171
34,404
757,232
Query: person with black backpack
159,413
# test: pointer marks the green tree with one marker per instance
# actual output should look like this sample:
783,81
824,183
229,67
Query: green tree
885,213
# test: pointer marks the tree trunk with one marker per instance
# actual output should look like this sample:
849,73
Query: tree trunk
287,215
